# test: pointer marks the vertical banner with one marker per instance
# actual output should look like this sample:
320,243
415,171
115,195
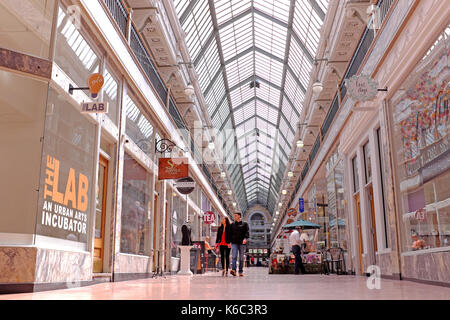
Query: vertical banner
301,205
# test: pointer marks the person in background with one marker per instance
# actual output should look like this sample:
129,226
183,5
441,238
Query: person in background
207,246
239,236
417,243
223,241
296,244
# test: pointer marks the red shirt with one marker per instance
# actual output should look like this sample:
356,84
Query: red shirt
223,242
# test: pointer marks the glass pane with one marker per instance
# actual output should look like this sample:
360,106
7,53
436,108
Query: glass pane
421,142
136,205
26,26
367,163
74,55
99,205
138,127
355,175
67,172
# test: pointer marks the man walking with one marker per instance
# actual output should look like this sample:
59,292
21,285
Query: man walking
296,242
239,235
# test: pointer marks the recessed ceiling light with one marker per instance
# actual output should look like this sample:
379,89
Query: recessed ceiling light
284,191
230,192
300,144
280,204
211,145
223,174
290,174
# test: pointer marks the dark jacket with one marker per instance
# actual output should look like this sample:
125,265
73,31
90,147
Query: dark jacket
227,234
239,232
186,235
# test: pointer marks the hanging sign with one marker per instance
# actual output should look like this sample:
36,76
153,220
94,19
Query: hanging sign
301,205
421,214
185,185
361,88
209,217
95,83
172,168
94,107
292,212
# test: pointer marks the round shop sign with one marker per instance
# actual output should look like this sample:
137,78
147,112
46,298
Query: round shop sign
209,217
185,185
361,88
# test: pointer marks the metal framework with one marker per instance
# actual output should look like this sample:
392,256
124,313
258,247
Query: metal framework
235,43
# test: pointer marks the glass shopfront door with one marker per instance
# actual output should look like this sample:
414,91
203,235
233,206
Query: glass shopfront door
100,214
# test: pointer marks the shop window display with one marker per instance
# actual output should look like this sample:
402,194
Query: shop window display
421,140
136,207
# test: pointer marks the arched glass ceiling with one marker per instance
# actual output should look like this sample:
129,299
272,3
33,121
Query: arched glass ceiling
234,43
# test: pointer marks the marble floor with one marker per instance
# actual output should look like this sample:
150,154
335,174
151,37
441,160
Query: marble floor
257,284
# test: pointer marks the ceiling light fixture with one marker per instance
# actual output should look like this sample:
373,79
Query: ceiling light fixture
278,212
284,191
317,87
211,145
230,192
290,174
223,174
234,204
300,144
189,90
280,204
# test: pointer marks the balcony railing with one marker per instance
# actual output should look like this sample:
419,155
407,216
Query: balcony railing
119,13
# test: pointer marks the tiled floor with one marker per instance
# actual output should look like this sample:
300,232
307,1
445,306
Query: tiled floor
256,284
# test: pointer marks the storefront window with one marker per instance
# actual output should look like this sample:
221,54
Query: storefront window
178,219
22,114
421,140
335,195
355,175
367,164
136,208
68,165
26,26
138,127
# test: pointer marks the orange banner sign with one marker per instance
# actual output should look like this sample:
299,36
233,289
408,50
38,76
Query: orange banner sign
169,168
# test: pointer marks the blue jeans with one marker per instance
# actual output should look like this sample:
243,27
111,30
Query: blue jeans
235,249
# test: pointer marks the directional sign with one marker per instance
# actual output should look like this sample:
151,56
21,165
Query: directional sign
301,205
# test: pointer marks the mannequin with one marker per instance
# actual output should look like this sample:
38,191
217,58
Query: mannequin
186,232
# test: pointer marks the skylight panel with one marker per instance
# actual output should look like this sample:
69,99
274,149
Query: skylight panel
278,9
227,9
